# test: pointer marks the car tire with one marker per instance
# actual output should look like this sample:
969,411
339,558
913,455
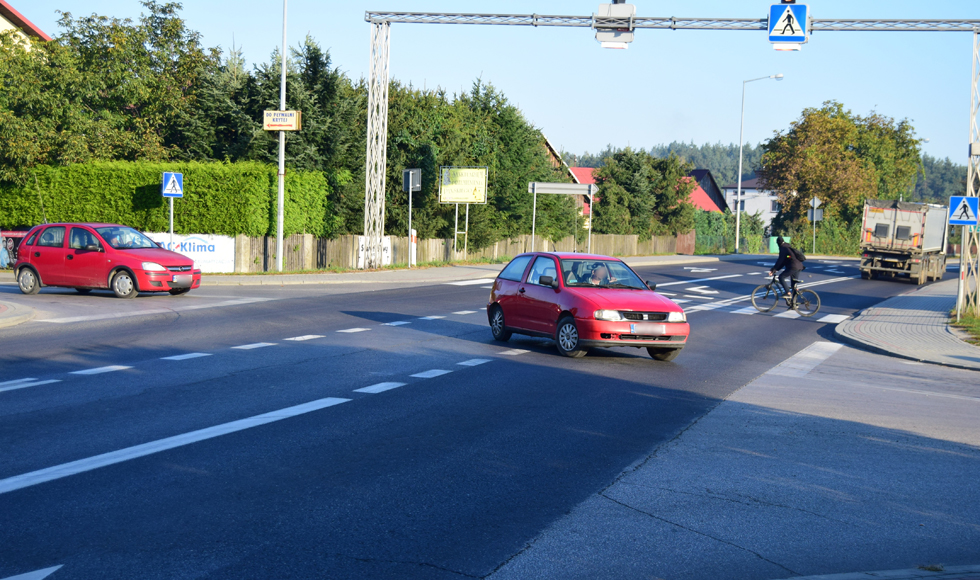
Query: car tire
179,291
83,290
123,285
567,338
497,326
664,354
28,282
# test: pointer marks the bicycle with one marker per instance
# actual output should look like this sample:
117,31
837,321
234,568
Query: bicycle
766,296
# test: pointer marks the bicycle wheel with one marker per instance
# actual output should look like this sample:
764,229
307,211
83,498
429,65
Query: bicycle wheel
807,302
764,298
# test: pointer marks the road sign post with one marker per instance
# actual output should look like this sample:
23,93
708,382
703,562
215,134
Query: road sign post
411,182
964,211
462,185
814,215
172,186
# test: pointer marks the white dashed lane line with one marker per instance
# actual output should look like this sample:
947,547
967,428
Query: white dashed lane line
254,345
100,370
513,352
471,282
352,330
305,337
187,356
431,317
834,318
396,323
379,388
431,374
465,312
24,383
474,362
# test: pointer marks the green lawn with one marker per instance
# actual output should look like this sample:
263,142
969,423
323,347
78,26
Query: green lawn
971,324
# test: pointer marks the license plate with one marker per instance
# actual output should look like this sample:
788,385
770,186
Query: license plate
648,328
184,280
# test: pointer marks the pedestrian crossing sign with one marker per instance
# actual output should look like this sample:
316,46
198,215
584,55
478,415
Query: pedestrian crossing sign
789,23
173,184
963,210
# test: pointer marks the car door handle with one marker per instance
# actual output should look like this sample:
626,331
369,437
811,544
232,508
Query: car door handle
521,290
70,257
37,254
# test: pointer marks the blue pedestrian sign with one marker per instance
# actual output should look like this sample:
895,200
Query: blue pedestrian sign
173,184
963,211
789,23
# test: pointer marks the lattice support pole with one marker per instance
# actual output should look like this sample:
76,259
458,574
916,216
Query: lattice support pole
377,145
969,264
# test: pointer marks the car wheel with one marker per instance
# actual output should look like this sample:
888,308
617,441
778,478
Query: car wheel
179,291
664,354
567,339
123,285
28,281
497,327
83,290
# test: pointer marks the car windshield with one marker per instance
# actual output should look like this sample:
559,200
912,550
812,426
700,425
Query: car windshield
123,238
599,274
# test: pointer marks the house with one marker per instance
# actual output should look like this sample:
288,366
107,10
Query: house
10,19
706,195
755,199
584,176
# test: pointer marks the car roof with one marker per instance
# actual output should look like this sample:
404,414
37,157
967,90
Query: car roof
574,255
88,224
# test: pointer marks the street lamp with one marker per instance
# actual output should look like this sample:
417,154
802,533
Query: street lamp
741,129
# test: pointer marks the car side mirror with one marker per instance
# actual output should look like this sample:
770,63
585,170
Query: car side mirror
93,248
548,281
651,286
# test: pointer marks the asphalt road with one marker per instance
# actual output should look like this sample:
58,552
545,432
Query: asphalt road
418,450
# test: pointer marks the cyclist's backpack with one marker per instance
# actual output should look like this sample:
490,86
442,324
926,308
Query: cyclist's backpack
799,256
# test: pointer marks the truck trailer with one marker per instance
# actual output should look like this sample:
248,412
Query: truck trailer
901,238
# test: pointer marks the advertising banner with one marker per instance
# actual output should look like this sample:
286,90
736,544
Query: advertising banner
214,254
463,185
8,247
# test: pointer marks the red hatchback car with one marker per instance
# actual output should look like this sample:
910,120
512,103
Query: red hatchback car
90,256
582,301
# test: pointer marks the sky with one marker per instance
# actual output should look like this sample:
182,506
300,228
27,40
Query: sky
667,86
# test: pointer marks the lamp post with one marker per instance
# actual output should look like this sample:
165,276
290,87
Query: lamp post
741,129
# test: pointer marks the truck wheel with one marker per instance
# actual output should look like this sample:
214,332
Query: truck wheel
865,274
921,278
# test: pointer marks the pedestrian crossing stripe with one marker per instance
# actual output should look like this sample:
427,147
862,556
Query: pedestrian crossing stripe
173,184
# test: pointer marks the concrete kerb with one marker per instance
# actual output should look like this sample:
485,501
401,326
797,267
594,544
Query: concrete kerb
13,314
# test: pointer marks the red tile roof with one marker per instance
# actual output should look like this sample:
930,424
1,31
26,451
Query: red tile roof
583,174
18,20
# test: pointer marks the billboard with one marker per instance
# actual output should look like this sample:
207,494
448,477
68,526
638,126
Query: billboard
210,253
463,185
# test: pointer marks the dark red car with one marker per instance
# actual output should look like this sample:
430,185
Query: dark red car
582,301
91,256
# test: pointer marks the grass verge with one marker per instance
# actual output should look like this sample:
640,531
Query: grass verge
970,324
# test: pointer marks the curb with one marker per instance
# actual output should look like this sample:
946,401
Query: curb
12,314
957,572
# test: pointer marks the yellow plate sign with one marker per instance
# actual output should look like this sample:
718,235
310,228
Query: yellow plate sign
282,120
463,185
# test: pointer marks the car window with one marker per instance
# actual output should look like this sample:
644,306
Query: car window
53,237
124,238
542,267
81,239
30,240
515,270
600,273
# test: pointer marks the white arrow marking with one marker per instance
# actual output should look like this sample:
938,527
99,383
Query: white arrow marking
699,269
36,575
702,290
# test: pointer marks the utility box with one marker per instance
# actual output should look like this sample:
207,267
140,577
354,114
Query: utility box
903,238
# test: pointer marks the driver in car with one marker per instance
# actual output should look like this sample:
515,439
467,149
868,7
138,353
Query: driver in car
600,275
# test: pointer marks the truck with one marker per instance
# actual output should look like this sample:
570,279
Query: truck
901,238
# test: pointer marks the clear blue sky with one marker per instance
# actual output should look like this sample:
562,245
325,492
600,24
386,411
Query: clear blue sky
669,85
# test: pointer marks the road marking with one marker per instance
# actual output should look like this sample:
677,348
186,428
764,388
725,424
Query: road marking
352,330
151,311
694,269
746,310
474,362
699,297
711,306
379,388
431,374
667,294
24,383
487,287
396,323
472,282
35,575
701,290
680,301
100,370
514,352
834,318
788,314
731,301
304,337
431,317
465,312
254,345
188,356
699,280
926,393
142,450
801,363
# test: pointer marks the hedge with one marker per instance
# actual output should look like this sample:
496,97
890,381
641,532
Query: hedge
219,198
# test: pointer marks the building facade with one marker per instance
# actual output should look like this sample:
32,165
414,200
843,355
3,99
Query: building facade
755,199
23,28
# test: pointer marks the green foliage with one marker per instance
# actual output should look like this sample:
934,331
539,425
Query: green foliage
219,198
939,180
643,195
715,232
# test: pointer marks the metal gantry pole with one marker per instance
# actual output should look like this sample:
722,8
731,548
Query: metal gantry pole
738,195
968,296
280,205
377,144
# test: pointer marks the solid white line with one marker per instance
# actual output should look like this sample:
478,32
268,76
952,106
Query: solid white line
699,297
788,314
396,323
8,383
801,363
514,352
379,388
746,310
666,294
350,330
431,374
35,575
150,311
100,370
113,457
487,287
711,306
465,312
834,318
699,280
474,362
701,290
471,282
304,337
431,317
25,385
254,345
187,356
680,301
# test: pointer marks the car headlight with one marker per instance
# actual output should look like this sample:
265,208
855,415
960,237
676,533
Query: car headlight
153,267
676,317
608,315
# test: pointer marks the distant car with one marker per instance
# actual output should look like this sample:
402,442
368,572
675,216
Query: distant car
92,256
583,301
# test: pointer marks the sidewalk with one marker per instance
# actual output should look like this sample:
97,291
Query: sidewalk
913,326
13,314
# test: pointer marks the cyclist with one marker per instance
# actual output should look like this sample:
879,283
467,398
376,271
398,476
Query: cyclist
791,265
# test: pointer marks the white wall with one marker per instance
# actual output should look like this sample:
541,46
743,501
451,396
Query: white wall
754,201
